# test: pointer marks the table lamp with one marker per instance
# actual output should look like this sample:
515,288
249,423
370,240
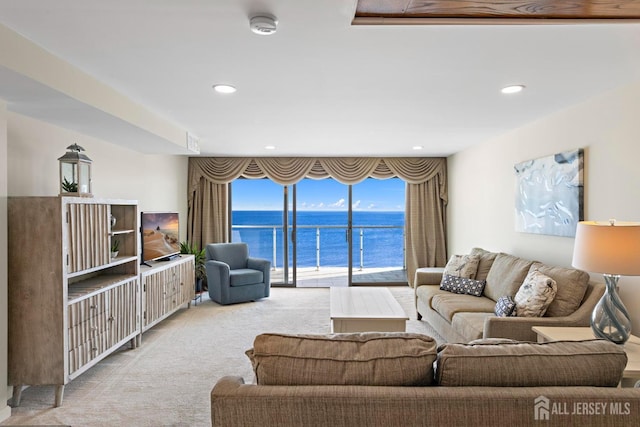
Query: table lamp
613,249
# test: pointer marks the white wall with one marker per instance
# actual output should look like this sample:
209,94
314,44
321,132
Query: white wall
5,411
158,182
482,181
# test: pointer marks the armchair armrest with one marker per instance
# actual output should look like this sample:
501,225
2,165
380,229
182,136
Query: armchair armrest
263,265
217,269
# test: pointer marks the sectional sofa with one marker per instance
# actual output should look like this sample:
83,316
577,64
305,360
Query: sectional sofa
460,317
403,379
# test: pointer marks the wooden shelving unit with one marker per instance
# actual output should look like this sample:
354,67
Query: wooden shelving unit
70,303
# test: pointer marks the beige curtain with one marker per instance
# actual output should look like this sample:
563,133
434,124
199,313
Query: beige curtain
425,228
208,216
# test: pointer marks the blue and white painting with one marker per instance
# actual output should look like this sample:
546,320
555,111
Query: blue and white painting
550,193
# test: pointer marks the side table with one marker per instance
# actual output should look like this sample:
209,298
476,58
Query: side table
631,347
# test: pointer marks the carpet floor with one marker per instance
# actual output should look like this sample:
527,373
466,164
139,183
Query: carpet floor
167,381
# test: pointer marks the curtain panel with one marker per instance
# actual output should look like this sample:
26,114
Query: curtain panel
426,178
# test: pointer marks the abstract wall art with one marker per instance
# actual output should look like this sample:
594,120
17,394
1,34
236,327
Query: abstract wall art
550,194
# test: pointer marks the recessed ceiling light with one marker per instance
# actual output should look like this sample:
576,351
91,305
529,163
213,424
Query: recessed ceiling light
417,147
224,88
512,89
269,147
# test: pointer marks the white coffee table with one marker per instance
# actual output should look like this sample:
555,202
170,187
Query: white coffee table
363,309
631,347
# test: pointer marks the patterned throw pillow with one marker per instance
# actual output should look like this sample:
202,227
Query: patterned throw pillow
535,294
462,285
462,266
505,307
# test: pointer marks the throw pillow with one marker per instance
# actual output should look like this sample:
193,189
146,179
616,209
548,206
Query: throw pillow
368,358
535,294
462,266
506,275
461,285
485,263
505,307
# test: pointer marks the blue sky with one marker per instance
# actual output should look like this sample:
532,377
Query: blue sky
325,194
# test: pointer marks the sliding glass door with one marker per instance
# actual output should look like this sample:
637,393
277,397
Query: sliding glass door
378,232
321,232
260,218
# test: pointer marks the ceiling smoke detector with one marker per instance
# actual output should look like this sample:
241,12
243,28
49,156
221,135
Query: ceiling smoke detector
263,24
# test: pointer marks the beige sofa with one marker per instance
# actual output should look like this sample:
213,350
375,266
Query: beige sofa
463,318
401,379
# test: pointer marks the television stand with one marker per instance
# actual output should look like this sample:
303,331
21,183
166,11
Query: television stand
169,258
166,287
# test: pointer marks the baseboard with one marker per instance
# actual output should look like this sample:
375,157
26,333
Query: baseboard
5,413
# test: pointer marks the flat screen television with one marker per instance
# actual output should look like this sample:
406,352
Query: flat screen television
160,236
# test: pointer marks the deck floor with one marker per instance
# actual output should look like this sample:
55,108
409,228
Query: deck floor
326,277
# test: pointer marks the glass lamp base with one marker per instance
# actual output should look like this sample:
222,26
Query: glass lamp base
610,319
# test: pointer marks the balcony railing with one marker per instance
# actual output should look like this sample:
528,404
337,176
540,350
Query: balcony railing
391,253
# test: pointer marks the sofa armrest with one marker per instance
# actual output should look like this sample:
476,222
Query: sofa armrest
426,276
519,328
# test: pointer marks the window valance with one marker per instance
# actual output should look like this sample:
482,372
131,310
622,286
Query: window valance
289,170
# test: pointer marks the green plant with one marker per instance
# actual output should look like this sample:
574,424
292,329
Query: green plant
115,245
69,187
199,254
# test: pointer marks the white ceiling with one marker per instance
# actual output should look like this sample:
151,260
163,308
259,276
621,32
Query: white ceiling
319,86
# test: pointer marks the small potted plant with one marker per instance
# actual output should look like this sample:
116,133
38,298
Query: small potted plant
115,246
68,186
199,258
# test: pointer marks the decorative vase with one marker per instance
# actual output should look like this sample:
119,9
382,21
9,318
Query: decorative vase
610,319
114,254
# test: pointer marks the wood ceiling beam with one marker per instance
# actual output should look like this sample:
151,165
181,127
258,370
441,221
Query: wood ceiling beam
421,12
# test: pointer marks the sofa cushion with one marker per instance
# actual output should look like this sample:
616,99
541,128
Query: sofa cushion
505,307
461,285
426,293
506,276
469,325
485,262
447,304
462,266
535,294
245,276
525,364
572,285
370,358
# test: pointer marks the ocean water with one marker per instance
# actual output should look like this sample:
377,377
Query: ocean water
381,247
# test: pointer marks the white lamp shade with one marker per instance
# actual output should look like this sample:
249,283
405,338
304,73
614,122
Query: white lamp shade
609,249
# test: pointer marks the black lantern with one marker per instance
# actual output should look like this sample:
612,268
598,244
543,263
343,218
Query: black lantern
75,173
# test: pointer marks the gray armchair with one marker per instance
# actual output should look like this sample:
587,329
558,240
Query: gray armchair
233,276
